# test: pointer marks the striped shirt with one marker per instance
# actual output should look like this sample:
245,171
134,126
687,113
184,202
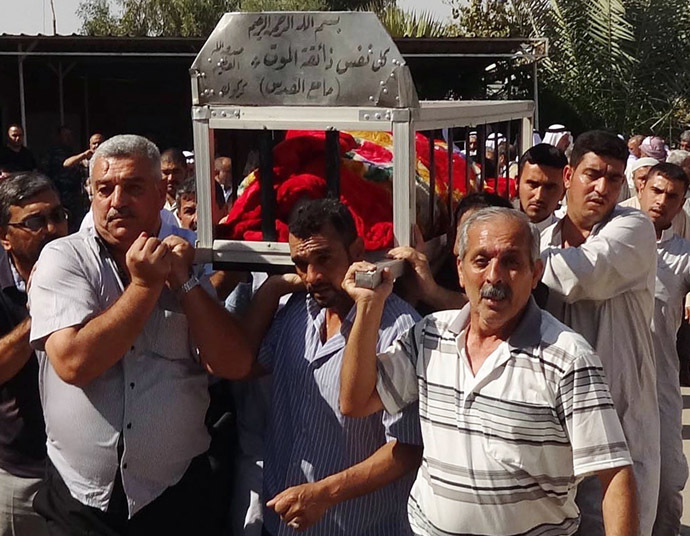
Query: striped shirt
503,450
308,438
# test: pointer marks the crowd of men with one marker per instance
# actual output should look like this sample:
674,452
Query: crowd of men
540,394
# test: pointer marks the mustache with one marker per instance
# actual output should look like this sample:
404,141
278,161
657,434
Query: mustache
113,213
498,292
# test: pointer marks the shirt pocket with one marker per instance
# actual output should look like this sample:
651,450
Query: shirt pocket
170,337
514,442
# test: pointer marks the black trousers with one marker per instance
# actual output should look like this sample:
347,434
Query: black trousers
184,509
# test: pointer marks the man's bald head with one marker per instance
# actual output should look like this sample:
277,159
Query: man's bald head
223,174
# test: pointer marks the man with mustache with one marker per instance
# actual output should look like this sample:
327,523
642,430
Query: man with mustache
540,183
513,405
323,472
600,267
125,338
661,198
31,215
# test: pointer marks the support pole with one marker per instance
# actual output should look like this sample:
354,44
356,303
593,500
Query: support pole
450,175
481,152
61,95
468,165
22,98
268,198
432,178
508,146
404,189
87,121
333,163
535,81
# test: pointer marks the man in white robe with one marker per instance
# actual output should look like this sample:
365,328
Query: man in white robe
661,199
600,267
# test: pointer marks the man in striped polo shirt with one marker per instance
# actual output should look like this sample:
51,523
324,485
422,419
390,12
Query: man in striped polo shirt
514,407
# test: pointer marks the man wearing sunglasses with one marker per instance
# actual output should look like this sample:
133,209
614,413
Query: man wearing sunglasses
31,215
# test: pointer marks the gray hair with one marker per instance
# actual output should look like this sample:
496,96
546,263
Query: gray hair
19,188
128,146
487,214
685,136
678,156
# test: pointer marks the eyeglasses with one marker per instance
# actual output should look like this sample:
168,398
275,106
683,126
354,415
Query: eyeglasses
40,221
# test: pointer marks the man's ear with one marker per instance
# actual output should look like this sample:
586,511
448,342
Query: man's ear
567,176
356,249
3,238
162,191
538,272
461,278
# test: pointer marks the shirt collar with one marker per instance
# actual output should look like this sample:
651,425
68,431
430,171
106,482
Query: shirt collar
9,276
556,237
318,315
666,235
525,338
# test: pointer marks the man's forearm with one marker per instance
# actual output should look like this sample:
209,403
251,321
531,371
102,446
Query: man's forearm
262,309
619,505
15,350
221,340
74,160
389,463
82,354
358,374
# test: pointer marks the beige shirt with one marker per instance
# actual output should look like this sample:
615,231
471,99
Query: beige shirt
604,290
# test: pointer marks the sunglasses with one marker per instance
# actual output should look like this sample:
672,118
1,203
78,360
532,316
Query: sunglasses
40,221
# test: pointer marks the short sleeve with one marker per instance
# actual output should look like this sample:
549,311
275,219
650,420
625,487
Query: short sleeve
269,345
60,295
404,425
585,405
397,376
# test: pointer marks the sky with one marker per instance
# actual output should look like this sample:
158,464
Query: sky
35,16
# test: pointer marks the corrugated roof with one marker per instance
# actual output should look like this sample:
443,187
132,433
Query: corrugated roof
75,44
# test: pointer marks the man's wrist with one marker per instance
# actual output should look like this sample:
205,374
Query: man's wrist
329,489
370,306
186,287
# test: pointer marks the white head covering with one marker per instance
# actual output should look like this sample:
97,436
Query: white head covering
554,134
642,162
494,139
634,166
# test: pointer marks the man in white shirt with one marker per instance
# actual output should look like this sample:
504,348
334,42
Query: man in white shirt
600,267
125,336
661,199
513,405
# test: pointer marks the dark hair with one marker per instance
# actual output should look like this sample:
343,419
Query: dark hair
671,172
312,216
543,154
188,189
479,200
19,188
175,156
601,143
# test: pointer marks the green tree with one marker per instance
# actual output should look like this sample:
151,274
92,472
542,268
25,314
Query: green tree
620,64
401,23
187,18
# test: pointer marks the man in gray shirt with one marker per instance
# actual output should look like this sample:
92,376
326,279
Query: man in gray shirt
120,327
